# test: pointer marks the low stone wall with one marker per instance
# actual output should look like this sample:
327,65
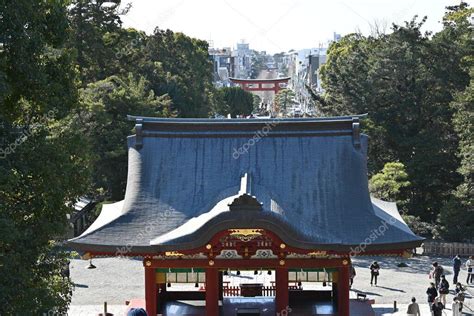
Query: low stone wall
448,248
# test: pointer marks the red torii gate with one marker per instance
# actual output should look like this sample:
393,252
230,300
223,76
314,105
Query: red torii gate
258,84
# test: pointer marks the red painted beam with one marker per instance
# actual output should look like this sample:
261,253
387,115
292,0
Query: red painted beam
393,252
245,263
265,81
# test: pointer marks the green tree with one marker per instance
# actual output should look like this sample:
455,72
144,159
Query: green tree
179,66
421,228
43,164
391,183
103,120
237,101
457,216
284,99
405,81
256,102
95,34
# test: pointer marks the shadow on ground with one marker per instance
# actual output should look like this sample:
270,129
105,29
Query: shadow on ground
417,264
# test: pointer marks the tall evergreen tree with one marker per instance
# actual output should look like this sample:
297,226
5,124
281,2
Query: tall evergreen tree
43,164
95,26
179,66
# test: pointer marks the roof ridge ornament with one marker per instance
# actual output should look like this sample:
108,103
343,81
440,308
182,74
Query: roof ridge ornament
246,184
356,132
245,202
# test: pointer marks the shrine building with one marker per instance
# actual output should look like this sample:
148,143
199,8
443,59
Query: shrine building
209,201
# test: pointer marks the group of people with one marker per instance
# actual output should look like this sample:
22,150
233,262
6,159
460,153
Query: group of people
438,290
437,297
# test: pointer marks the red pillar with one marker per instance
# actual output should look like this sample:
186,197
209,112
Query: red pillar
281,298
276,87
212,292
150,291
343,291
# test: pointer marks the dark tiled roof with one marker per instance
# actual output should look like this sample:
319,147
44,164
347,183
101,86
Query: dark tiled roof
305,179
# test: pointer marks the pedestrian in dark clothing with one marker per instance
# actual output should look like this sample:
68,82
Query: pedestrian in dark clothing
352,276
374,272
432,293
443,289
459,293
437,272
437,308
456,268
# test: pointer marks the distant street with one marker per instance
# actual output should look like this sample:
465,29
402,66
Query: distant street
267,96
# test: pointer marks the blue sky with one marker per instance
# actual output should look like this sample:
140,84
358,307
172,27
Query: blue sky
279,25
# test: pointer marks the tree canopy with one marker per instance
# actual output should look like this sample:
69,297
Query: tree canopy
407,82
69,76
43,164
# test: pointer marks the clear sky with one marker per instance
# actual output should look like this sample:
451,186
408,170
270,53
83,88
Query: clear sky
278,25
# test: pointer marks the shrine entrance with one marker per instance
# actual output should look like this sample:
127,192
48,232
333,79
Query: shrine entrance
247,271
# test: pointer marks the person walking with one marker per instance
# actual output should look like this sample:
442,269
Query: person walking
443,289
413,308
459,293
436,272
352,276
374,272
456,268
437,308
432,293
456,307
470,268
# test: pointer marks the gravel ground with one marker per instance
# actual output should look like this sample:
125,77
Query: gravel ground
117,280
113,281
400,284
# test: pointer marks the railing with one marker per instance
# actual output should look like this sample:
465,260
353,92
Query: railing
231,290
448,248
235,291
268,291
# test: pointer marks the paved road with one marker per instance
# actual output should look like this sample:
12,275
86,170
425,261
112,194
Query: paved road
117,280
267,96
